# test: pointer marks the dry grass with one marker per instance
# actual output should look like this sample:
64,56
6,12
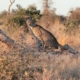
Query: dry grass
39,66
26,63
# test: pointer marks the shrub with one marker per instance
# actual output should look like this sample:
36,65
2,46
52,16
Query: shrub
75,14
72,25
30,11
17,18
16,21
3,13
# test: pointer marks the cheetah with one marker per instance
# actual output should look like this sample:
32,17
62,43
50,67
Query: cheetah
47,39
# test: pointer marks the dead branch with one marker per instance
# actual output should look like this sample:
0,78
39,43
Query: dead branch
5,39
11,2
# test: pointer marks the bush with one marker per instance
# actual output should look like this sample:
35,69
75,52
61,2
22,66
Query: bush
30,11
75,14
16,21
72,25
17,18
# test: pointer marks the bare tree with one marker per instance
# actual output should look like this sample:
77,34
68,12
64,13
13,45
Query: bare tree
47,15
11,2
46,6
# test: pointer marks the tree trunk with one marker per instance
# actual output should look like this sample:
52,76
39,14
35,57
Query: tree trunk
11,2
5,39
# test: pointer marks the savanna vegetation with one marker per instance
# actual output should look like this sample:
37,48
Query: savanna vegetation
25,62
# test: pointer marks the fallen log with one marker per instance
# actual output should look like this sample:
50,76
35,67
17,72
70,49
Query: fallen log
71,50
5,39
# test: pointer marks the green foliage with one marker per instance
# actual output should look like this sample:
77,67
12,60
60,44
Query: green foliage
16,21
72,25
17,18
72,21
30,11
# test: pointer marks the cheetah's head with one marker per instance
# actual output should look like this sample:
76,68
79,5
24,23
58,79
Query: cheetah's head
29,21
